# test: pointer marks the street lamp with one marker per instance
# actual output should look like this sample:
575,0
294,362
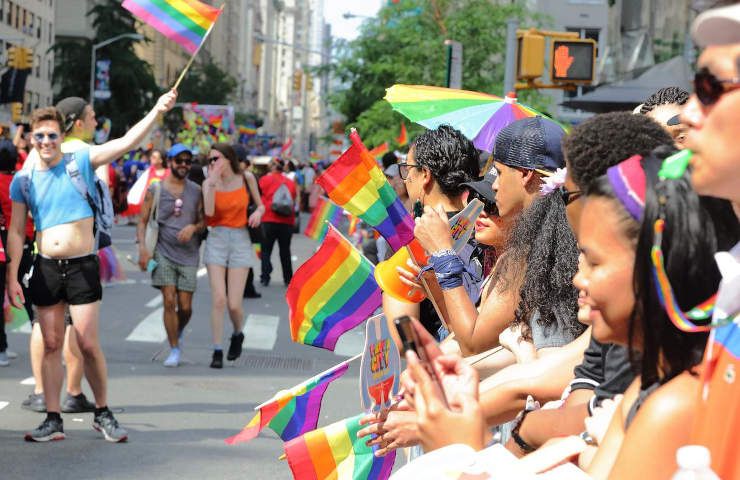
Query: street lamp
95,47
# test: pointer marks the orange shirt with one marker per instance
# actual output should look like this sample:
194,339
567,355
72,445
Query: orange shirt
230,209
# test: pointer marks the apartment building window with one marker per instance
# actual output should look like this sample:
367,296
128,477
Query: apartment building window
9,13
17,16
2,9
37,66
49,70
51,34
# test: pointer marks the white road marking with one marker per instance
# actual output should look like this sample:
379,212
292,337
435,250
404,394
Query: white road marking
150,329
202,272
351,343
154,302
3,405
260,331
28,381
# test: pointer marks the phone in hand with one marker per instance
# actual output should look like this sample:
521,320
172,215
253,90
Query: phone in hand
410,341
151,265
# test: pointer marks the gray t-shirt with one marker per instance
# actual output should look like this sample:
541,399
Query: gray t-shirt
168,245
555,335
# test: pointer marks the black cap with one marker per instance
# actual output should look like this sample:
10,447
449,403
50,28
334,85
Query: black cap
531,143
484,186
72,108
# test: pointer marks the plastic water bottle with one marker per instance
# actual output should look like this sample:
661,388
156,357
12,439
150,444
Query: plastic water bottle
694,464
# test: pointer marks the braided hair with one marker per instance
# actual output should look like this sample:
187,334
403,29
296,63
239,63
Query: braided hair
665,96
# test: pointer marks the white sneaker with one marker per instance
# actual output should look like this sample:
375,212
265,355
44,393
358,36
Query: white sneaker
4,362
173,360
11,355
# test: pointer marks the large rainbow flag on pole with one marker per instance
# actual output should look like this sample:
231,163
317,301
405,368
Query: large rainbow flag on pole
185,22
331,293
356,183
293,412
324,211
335,452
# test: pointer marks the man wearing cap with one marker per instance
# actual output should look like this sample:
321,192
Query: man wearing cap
174,261
66,269
712,115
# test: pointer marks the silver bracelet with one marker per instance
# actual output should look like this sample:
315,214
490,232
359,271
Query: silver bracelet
442,253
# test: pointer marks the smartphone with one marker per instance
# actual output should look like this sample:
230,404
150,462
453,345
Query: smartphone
410,341
151,265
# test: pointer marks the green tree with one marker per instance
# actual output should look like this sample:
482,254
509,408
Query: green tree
133,88
405,44
207,83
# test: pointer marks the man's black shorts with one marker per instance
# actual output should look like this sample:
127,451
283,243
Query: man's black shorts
75,281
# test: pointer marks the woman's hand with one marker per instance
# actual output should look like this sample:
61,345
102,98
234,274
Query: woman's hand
433,230
393,429
255,218
410,276
598,422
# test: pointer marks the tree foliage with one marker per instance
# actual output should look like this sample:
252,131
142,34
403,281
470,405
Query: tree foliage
207,83
405,44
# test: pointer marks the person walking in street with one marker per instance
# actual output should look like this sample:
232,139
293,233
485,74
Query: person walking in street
278,196
66,269
228,255
179,214
255,234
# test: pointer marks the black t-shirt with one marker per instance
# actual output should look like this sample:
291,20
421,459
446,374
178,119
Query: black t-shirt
605,369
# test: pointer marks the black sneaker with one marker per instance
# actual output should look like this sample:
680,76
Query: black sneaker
49,430
252,293
107,424
35,402
77,404
218,359
235,347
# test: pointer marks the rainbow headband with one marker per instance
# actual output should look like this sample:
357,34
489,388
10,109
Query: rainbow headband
627,179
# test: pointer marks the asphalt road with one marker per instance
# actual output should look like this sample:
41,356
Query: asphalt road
176,418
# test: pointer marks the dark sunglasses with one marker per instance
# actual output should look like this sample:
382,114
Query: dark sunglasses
213,159
709,88
488,206
181,161
39,137
568,197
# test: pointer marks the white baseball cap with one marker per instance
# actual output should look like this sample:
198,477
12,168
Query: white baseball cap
718,26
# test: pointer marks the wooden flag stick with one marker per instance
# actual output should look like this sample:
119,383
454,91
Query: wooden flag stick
197,50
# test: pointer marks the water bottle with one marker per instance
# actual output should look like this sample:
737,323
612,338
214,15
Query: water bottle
694,464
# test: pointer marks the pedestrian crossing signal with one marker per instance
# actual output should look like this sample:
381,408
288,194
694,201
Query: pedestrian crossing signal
573,61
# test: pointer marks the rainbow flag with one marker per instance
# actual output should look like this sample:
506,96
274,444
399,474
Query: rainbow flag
247,130
356,183
324,211
353,222
331,293
335,452
403,137
380,150
183,21
293,412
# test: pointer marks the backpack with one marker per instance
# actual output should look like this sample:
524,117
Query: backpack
282,201
100,201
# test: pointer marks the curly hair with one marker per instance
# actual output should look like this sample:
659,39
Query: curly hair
540,261
665,96
450,157
605,140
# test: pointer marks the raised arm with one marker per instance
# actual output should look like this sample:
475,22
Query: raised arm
109,151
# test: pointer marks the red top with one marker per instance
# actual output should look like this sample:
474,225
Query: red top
7,205
268,185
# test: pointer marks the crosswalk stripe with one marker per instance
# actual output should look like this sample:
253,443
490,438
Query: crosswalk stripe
154,302
28,381
3,405
150,329
260,331
351,343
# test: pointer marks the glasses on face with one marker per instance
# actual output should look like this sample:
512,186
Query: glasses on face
40,136
709,88
178,207
568,196
213,159
488,206
403,169
183,160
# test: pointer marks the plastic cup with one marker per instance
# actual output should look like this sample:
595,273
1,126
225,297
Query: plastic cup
389,279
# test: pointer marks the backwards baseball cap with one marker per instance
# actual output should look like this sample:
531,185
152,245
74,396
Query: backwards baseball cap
72,108
531,143
177,149
718,26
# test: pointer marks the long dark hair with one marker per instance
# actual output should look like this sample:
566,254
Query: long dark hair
228,152
695,229
540,261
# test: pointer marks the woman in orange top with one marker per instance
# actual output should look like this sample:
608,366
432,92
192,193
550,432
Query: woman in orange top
228,252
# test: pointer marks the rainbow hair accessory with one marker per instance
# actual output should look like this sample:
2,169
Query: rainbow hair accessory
627,178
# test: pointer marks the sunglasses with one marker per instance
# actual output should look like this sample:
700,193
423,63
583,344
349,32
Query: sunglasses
39,137
709,88
181,161
403,169
214,159
488,206
567,196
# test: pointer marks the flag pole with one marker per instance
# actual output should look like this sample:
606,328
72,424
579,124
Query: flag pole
318,375
197,50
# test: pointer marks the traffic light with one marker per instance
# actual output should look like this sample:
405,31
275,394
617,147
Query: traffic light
13,57
16,109
25,61
573,61
297,79
530,55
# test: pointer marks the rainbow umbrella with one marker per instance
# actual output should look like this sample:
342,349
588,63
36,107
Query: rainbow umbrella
479,116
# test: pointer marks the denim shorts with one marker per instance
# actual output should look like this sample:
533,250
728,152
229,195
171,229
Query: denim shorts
229,247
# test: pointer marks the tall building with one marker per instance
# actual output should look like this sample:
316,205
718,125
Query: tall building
29,24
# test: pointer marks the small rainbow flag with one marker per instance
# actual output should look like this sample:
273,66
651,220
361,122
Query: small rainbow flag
331,293
403,137
356,183
335,452
247,130
293,412
353,222
258,250
325,211
183,21
380,150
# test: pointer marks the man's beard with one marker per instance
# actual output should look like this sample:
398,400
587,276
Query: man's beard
176,173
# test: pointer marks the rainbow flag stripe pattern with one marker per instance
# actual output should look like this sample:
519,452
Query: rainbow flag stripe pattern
183,21
356,183
403,138
331,293
335,452
294,412
380,150
324,211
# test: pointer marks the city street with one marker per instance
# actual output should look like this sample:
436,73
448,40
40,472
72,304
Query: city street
176,418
